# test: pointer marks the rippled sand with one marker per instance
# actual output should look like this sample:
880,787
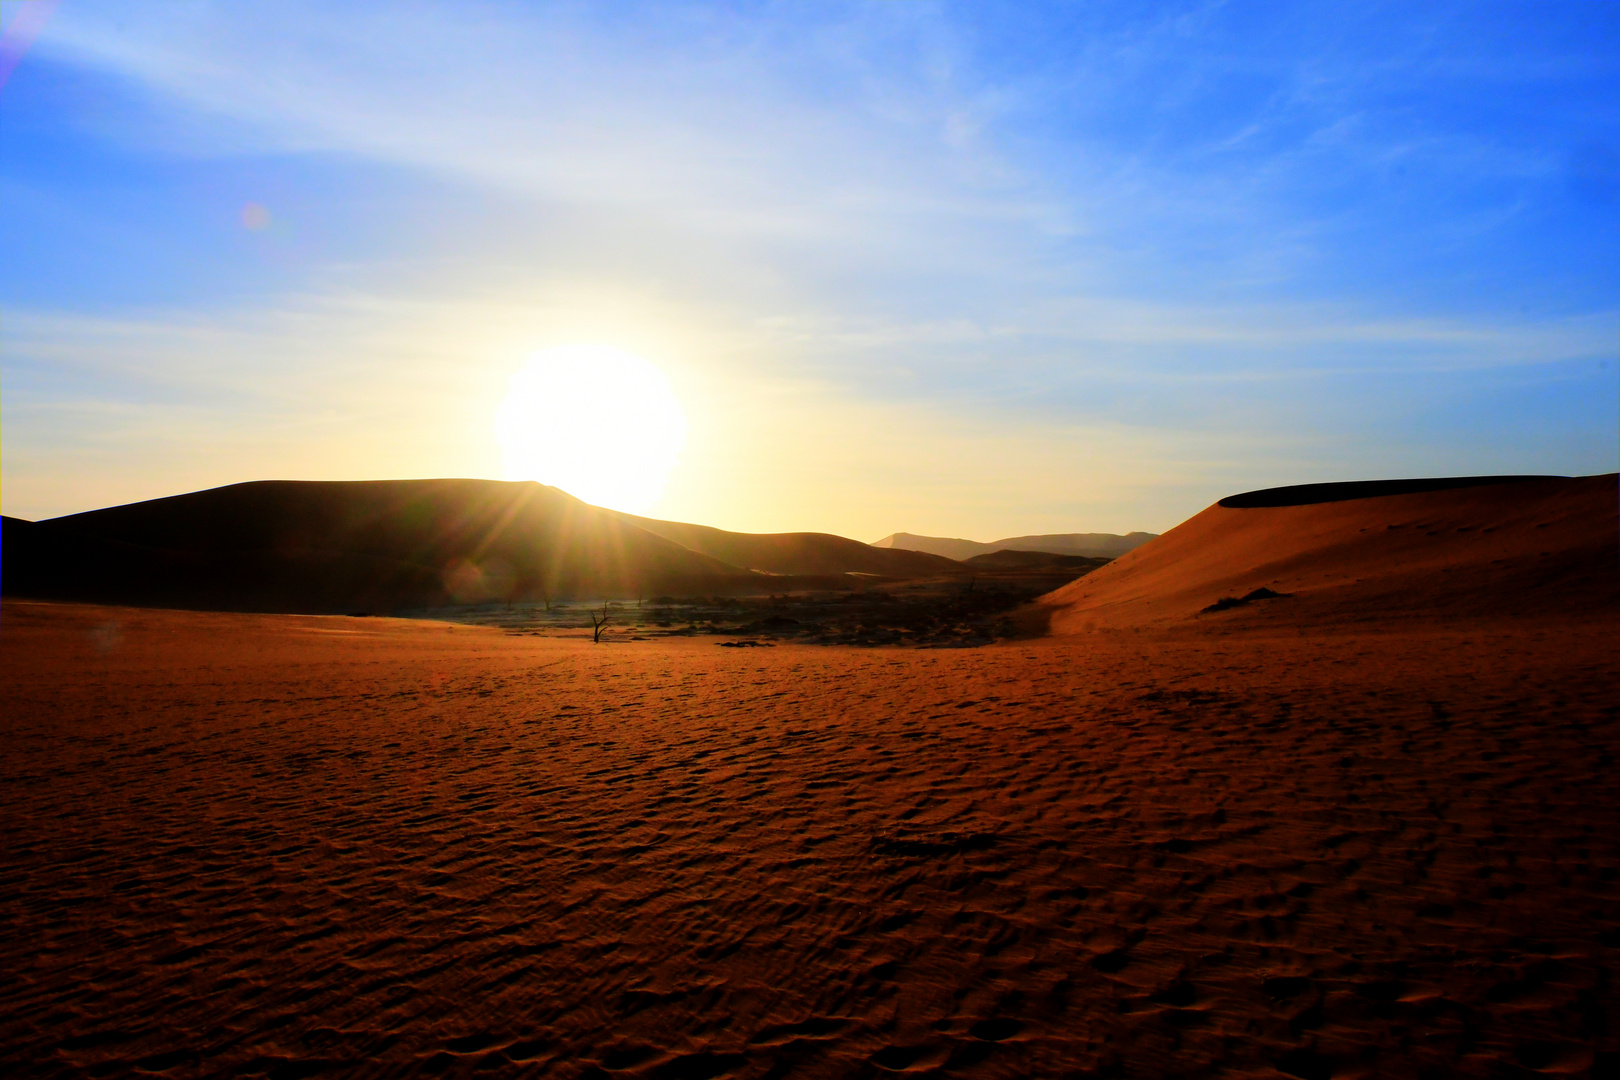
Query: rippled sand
282,845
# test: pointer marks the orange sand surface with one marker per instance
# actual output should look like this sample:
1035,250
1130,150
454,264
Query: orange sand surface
1519,549
285,845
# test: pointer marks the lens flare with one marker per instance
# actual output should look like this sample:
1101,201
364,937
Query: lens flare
24,28
255,216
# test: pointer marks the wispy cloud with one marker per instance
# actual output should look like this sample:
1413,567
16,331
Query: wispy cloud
684,115
887,133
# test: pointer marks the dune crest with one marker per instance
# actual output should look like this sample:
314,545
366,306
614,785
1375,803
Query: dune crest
796,553
1458,550
390,545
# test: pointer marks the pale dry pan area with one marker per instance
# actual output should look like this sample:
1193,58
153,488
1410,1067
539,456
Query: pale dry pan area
290,846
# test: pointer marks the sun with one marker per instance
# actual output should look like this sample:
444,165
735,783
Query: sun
600,423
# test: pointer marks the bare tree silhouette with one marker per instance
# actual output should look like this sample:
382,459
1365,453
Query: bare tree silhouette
544,579
598,624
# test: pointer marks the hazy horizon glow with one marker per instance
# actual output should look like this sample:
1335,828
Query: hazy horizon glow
598,422
954,269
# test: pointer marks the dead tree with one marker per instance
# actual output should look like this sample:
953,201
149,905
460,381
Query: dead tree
598,624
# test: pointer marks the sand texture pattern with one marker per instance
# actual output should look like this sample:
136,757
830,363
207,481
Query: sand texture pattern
289,846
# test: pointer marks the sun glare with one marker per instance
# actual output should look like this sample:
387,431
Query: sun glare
600,423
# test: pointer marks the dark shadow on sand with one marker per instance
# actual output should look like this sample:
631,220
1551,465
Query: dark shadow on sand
1308,494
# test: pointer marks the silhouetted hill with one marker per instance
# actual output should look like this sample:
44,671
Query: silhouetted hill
337,546
1090,545
797,553
45,562
386,545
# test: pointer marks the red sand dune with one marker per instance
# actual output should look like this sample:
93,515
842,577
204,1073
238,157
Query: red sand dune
1225,845
1518,548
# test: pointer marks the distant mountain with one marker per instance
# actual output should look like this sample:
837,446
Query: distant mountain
1006,559
387,545
797,553
1091,545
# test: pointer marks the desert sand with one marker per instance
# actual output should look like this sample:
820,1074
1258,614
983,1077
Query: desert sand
1237,843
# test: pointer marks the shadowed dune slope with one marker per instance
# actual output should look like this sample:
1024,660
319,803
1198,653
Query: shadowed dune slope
1341,491
336,546
797,553
318,546
42,561
1512,547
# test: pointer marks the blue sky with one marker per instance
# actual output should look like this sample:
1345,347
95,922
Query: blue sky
971,269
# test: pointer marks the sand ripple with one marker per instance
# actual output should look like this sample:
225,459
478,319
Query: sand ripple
236,847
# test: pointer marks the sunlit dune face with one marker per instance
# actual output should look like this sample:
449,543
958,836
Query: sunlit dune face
598,422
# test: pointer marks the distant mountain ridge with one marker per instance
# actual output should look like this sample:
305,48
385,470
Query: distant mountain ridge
1090,545
796,553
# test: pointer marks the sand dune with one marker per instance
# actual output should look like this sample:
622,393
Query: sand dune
797,553
341,546
1539,545
389,545
1029,560
1088,545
